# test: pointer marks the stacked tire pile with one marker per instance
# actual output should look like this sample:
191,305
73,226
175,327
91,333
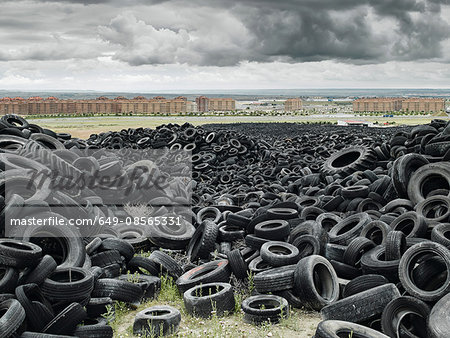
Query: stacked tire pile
354,224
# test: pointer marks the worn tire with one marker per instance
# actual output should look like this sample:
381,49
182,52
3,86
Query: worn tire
157,321
202,300
362,306
408,262
339,328
277,253
275,308
315,282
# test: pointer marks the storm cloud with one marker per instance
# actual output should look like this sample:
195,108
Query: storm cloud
223,43
225,33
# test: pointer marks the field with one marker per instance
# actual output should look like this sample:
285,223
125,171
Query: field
301,322
82,127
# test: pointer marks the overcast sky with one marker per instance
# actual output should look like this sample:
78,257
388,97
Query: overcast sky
151,45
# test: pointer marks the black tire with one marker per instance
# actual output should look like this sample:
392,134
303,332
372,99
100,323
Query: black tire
237,221
427,178
135,235
237,264
98,306
273,229
355,191
93,328
376,231
328,220
363,283
307,245
438,323
255,242
411,224
28,334
209,213
12,317
279,253
202,300
441,234
264,308
362,306
349,228
257,265
282,213
124,248
395,245
203,241
339,328
157,321
150,284
9,277
47,141
355,250
395,312
19,254
372,263
335,252
345,271
292,299
112,270
166,263
349,160
315,282
434,209
230,233
175,237
106,258
118,290
14,121
143,265
72,251
67,320
93,245
414,256
276,279
38,311
215,271
402,170
68,285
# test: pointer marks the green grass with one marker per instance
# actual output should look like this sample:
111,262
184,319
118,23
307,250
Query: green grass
299,323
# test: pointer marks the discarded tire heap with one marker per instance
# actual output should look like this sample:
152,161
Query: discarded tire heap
353,223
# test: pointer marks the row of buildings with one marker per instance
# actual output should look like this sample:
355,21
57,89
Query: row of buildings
104,105
293,104
396,104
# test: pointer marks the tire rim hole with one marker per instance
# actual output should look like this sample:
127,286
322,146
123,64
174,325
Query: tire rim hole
264,304
206,291
347,227
279,250
323,281
157,313
435,282
346,159
434,182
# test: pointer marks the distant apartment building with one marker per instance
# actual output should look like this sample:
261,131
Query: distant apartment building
100,105
293,104
205,104
423,105
388,105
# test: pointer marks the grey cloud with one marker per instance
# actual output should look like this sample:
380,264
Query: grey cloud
225,33
292,31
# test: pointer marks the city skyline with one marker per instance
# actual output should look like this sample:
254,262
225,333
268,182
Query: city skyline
170,45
